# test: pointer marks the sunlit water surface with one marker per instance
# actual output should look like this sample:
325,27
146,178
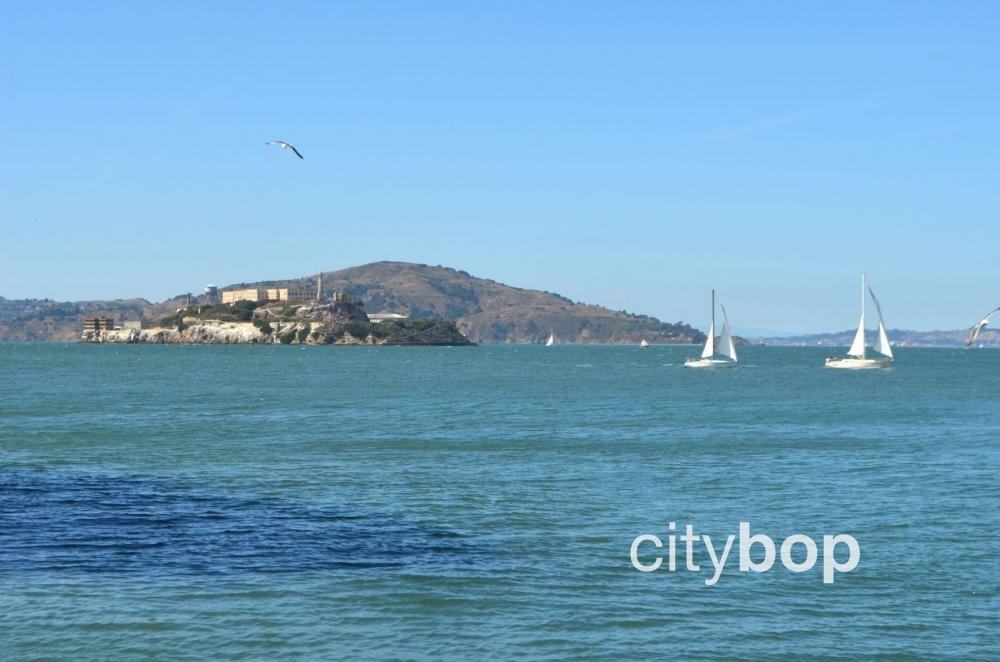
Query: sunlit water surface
198,501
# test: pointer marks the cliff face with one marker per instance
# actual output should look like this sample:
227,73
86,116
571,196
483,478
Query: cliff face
299,332
205,331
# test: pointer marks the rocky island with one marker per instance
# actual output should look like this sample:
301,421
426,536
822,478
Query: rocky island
314,323
483,311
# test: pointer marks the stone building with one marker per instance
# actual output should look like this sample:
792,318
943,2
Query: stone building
288,294
267,294
256,294
99,324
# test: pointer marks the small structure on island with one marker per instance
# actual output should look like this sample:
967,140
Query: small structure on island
211,294
338,296
99,324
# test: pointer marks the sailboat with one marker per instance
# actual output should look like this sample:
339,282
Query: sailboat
643,343
857,358
552,339
711,357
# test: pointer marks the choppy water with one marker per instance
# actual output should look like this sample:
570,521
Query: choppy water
428,502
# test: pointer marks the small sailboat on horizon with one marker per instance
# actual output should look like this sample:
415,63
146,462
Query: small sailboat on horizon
723,356
552,339
643,343
857,358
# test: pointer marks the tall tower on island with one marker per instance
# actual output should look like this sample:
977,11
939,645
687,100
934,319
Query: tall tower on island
319,287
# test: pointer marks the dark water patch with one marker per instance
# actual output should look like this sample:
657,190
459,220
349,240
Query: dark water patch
94,524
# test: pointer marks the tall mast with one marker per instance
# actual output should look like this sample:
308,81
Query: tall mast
713,321
864,346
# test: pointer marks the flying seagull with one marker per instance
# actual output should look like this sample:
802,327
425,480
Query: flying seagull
284,145
979,327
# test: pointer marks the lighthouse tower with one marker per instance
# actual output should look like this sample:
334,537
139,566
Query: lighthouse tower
319,287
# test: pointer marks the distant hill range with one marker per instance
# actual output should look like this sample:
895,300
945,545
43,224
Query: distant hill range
484,310
897,337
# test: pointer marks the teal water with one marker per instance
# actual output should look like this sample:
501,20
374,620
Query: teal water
325,502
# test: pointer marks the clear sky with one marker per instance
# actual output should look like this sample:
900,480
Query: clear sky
631,154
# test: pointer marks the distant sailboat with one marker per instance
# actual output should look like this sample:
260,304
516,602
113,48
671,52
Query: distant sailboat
979,327
552,340
643,343
711,357
856,358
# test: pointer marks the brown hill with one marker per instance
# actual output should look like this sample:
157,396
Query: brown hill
484,310
488,311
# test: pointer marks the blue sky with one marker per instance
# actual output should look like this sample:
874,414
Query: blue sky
628,154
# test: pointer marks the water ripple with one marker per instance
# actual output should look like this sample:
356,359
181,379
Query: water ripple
94,523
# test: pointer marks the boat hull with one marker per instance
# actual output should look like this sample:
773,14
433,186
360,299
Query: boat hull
857,364
709,363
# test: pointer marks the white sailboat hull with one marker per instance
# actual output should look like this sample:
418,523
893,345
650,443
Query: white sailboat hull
850,363
709,363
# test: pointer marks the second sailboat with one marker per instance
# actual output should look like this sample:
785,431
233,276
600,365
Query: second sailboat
712,356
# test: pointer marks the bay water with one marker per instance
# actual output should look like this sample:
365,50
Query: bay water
419,503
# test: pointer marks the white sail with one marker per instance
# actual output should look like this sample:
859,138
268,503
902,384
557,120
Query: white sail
710,343
726,346
881,340
551,340
858,346
643,343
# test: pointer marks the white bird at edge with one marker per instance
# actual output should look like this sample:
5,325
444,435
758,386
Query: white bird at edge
979,327
284,145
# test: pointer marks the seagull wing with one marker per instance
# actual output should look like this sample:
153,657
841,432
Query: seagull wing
979,327
291,147
975,333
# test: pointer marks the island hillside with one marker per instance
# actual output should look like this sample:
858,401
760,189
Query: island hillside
485,311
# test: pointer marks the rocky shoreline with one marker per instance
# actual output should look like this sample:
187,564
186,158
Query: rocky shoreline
309,324
214,332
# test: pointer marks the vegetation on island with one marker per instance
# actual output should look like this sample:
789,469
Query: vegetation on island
308,323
